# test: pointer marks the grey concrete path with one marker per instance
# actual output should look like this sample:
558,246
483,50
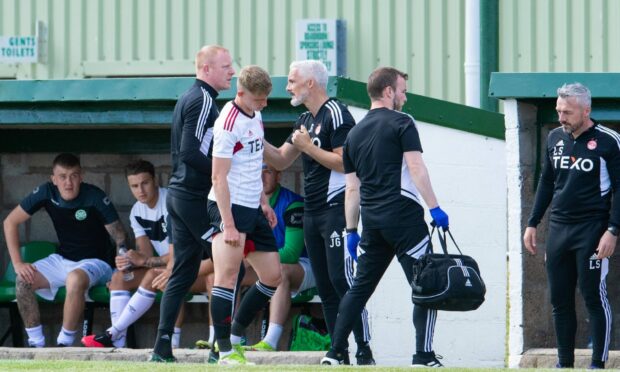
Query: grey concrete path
533,358
141,355
547,358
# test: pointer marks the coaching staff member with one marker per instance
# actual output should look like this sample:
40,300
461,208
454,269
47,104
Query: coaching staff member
190,182
318,136
384,168
580,177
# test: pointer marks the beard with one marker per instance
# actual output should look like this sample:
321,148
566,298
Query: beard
398,106
299,99
572,128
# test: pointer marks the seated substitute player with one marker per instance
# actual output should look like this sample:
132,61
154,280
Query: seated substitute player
148,219
83,216
296,274
238,208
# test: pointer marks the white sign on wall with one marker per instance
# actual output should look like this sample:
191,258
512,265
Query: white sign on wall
18,49
323,40
25,49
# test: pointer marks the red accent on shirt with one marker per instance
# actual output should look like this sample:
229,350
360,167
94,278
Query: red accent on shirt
230,119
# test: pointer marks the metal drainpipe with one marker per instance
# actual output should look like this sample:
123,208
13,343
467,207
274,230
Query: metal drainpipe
489,50
472,53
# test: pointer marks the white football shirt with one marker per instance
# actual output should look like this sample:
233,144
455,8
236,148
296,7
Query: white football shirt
239,137
152,222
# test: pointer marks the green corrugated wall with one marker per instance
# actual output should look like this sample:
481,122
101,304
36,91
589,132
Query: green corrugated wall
98,38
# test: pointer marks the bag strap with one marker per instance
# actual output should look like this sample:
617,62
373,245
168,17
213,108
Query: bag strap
443,239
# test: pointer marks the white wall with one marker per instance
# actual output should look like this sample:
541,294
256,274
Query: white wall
468,173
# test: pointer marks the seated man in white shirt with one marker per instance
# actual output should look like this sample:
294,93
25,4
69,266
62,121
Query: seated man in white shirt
148,219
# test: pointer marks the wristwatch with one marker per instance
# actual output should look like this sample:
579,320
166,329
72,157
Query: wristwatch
613,230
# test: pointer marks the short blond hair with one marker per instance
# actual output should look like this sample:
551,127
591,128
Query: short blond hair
254,79
207,53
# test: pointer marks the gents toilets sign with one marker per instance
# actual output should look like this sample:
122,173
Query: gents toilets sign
19,49
25,49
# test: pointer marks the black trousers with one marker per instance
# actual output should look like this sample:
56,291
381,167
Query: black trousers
190,226
325,247
380,246
570,262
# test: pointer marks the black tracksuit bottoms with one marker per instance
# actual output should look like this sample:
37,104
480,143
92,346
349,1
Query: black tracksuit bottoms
190,226
325,246
380,246
571,261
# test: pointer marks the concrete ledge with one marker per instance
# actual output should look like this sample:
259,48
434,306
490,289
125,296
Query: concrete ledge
547,358
141,355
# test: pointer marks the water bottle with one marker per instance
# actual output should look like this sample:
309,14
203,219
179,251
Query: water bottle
127,273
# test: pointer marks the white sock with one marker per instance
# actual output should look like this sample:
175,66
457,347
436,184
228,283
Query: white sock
211,334
139,303
35,336
118,302
176,338
66,337
234,339
273,335
121,340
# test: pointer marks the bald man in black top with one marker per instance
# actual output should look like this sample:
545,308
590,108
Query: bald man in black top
386,174
190,182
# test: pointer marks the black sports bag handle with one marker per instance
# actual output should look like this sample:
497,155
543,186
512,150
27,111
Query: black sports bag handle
442,240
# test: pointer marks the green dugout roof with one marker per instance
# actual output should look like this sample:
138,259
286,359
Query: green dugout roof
540,89
133,115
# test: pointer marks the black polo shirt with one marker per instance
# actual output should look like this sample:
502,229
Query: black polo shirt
79,223
374,151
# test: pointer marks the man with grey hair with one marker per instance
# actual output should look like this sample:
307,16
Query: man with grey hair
580,179
318,136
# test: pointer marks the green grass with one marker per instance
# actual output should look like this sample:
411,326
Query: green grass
79,366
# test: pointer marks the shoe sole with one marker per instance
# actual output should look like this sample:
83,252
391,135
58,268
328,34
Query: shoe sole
330,362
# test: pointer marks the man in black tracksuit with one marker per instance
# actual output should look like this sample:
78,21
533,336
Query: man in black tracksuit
386,175
318,136
190,182
580,179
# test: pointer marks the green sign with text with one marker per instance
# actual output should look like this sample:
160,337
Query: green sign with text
324,40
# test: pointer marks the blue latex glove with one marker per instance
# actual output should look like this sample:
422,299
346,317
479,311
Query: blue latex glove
440,218
353,239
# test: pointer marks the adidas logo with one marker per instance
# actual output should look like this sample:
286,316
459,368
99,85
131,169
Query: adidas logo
165,337
468,283
560,143
334,235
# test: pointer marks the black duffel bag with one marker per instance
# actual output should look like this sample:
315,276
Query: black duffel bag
447,281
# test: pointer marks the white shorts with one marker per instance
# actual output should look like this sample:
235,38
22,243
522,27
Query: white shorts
308,281
55,269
